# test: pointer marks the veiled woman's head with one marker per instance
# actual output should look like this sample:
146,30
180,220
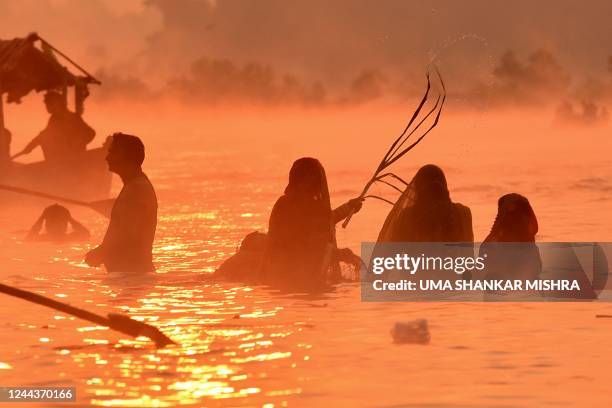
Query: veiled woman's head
307,178
430,185
516,221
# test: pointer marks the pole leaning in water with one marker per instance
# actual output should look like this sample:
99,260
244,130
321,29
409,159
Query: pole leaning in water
103,207
115,321
1,108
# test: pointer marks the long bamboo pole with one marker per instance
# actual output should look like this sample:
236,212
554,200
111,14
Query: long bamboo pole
115,321
103,207
1,109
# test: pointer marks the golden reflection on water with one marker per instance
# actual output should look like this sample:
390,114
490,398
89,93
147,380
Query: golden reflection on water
227,334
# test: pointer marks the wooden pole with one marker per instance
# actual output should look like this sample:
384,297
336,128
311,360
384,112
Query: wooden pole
1,110
67,58
118,322
103,207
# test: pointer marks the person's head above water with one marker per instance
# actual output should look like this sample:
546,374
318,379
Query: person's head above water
55,102
307,178
515,222
126,154
56,220
429,185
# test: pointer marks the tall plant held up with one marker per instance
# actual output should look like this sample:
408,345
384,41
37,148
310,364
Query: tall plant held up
398,148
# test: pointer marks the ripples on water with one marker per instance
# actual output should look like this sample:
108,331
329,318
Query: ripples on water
250,346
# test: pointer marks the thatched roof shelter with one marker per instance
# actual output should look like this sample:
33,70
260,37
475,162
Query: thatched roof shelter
31,64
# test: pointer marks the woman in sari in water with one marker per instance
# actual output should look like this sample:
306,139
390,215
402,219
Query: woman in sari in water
512,253
425,212
515,221
301,244
510,247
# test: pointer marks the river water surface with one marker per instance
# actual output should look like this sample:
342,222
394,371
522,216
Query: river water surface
217,176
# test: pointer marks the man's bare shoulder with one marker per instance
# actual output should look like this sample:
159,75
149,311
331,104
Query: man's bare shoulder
141,189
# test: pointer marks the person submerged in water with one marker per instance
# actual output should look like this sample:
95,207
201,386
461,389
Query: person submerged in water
425,212
127,245
515,225
240,266
66,134
515,221
56,219
509,248
301,243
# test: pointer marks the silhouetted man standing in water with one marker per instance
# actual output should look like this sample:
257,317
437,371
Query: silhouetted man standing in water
129,238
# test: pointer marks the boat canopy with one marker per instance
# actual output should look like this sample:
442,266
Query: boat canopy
30,64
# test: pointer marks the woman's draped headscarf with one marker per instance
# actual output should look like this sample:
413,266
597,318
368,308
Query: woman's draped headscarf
309,172
429,197
308,191
515,221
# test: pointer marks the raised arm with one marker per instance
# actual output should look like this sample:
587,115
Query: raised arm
34,232
29,147
78,230
344,210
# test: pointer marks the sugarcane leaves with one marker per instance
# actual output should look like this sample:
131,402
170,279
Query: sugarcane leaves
398,178
383,178
396,152
419,126
393,186
380,198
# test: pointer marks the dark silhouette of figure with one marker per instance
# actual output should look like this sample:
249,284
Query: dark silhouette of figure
301,246
5,145
425,212
512,253
56,219
66,134
515,220
423,215
128,242
240,266
510,246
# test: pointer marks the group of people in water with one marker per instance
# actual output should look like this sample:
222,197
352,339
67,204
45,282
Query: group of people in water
301,232
299,250
300,246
